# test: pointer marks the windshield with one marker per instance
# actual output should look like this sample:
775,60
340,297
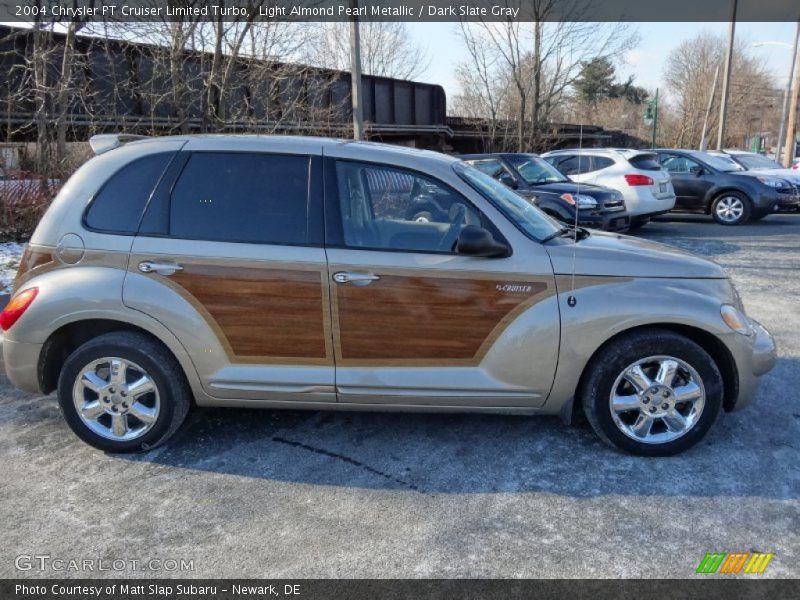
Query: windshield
534,170
523,214
718,163
756,161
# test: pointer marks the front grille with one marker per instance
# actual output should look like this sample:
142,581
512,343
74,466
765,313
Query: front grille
612,205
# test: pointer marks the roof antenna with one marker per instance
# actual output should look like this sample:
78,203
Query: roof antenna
571,300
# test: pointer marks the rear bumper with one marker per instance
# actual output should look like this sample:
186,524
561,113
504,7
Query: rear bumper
754,356
642,204
21,364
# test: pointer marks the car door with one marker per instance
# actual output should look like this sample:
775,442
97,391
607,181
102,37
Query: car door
689,179
416,323
229,256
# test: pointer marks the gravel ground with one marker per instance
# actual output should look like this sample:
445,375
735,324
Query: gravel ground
313,494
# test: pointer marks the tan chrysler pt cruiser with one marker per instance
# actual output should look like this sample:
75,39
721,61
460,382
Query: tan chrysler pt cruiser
257,271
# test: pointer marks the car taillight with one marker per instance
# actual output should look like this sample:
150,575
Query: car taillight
17,307
636,179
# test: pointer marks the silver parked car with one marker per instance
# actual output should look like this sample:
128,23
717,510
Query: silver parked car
251,271
645,186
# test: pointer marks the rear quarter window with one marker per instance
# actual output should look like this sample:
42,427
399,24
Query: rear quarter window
646,162
118,206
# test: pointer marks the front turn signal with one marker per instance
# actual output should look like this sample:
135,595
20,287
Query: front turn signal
735,319
16,307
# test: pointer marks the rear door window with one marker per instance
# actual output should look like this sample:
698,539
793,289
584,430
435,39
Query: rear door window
242,197
119,204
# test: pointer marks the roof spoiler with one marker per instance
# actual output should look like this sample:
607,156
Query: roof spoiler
108,141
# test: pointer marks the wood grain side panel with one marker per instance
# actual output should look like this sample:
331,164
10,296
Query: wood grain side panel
263,312
407,318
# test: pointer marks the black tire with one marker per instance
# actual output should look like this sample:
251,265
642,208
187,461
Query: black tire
611,361
164,370
638,224
423,215
747,208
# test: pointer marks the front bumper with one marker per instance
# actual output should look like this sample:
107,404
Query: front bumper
754,356
610,221
787,203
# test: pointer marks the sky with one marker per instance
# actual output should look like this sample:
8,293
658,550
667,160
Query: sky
646,62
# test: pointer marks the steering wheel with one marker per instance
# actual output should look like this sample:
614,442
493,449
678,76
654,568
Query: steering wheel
457,216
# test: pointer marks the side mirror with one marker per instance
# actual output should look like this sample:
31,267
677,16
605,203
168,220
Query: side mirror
696,171
508,180
477,241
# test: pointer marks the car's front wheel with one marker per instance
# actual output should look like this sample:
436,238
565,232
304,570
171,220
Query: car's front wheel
652,393
123,392
731,208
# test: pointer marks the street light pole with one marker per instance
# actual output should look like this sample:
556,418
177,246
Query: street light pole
786,92
791,126
355,78
726,81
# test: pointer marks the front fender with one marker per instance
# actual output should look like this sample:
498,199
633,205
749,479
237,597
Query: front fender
607,306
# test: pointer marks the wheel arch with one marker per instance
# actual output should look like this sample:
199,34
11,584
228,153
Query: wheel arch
715,348
716,192
68,337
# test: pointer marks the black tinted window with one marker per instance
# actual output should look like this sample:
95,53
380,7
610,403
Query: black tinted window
119,205
231,197
574,165
602,162
647,162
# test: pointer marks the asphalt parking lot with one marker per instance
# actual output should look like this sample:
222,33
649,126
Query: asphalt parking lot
314,494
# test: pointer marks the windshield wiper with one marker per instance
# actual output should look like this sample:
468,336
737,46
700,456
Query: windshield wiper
578,232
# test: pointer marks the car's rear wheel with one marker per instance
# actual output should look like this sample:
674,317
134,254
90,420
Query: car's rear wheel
123,392
652,393
731,208
422,217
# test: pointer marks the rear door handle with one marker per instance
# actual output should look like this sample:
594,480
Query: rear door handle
355,278
160,268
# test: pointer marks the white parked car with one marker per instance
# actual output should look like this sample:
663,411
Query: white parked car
646,187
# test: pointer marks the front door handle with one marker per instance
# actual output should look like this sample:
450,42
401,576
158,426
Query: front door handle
355,278
160,268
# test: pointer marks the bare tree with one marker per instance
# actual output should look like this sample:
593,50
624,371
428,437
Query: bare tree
688,74
534,63
386,49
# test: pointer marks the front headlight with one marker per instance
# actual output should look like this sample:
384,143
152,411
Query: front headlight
735,319
579,200
773,182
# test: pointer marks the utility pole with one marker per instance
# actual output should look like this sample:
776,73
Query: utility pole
355,78
655,119
791,126
786,93
703,139
726,82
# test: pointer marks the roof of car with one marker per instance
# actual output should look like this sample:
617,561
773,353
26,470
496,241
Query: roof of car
310,144
624,152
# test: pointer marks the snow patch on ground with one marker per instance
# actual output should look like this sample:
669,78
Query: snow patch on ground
10,255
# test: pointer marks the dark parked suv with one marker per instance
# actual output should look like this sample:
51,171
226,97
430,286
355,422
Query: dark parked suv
709,184
554,193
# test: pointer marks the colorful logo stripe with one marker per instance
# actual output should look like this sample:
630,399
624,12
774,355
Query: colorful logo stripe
734,562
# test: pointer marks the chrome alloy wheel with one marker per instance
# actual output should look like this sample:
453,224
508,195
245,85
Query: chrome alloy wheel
116,398
657,399
729,208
